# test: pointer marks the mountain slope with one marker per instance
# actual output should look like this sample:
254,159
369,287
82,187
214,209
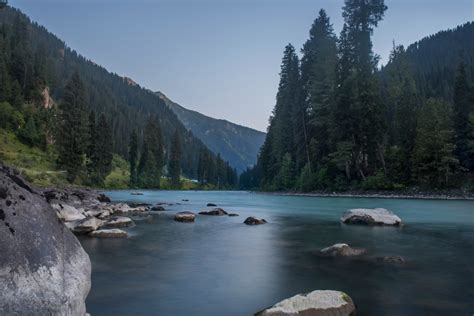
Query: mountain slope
49,63
237,144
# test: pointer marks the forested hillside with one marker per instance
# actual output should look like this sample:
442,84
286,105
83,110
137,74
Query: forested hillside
342,123
237,144
48,93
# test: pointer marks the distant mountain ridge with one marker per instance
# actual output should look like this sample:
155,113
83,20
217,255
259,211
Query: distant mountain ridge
237,144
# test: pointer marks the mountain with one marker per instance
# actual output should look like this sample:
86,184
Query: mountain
434,59
237,144
34,68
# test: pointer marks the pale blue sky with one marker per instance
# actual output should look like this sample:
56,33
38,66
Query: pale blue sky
219,57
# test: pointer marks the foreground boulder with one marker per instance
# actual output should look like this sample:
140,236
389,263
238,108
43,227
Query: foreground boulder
316,303
109,233
119,221
342,250
254,221
43,268
185,217
378,216
214,212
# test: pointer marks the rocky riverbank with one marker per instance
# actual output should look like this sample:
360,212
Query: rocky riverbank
405,194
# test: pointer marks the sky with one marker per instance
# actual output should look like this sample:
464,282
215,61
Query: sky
219,57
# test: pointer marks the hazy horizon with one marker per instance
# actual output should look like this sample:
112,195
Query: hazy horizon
220,58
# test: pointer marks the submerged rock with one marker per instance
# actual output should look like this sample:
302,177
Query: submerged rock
378,216
157,208
109,233
136,193
214,212
233,214
43,268
316,303
185,217
342,250
119,221
391,259
211,205
254,221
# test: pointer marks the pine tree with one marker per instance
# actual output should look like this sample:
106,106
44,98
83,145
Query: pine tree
174,166
29,134
133,158
463,108
101,154
434,162
152,156
72,136
318,71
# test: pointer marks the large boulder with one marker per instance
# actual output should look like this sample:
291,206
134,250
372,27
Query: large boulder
214,212
120,221
184,217
43,268
109,233
377,216
254,221
342,250
316,303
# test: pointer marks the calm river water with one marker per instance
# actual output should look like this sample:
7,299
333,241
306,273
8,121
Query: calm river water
220,266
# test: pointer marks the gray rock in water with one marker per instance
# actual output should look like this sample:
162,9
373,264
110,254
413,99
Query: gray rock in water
342,250
185,217
43,268
214,212
119,221
211,205
233,214
254,221
316,303
109,233
378,216
87,225
157,208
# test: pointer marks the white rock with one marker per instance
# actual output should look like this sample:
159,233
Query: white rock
378,216
120,221
320,303
67,212
109,233
342,250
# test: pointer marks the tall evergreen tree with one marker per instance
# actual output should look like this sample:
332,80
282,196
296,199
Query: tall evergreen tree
101,155
152,155
434,162
463,108
174,165
133,158
72,136
318,71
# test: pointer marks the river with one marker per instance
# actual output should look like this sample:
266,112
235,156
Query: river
220,266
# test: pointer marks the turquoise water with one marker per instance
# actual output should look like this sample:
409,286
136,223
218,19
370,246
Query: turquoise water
219,266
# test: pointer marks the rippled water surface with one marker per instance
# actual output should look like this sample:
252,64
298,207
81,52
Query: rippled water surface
219,266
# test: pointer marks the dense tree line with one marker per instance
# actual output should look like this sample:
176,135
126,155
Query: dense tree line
47,95
341,123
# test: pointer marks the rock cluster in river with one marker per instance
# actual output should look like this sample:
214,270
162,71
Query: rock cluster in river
85,211
316,303
43,268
